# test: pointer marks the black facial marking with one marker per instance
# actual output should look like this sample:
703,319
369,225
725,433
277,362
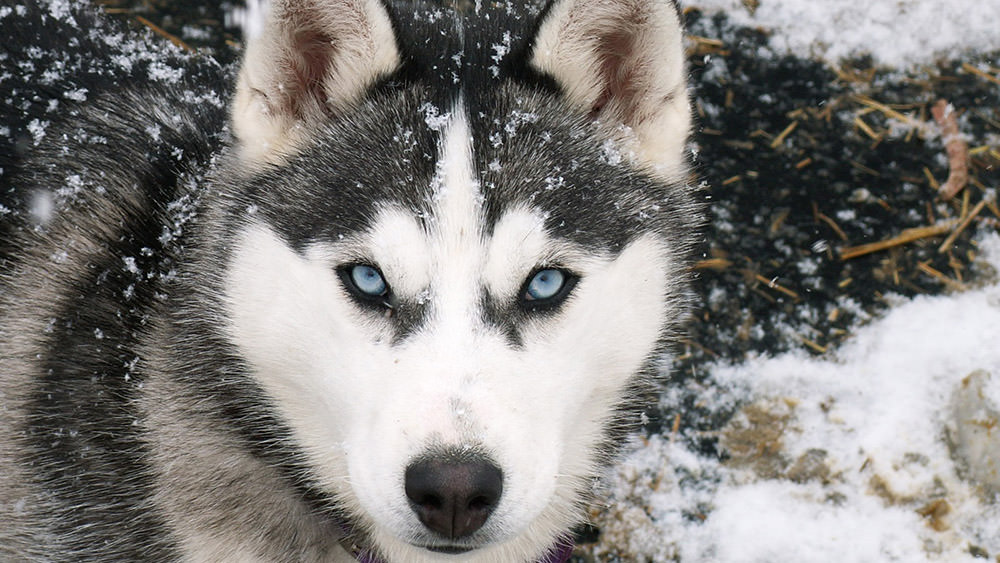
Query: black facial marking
504,316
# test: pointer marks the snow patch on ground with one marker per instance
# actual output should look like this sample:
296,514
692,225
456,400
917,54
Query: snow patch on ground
848,454
900,33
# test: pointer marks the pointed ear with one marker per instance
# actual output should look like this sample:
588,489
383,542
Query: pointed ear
623,62
312,58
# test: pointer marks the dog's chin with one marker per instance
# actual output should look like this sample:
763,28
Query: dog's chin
481,547
448,549
456,547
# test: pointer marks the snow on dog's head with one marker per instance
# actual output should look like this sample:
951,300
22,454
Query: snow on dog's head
455,266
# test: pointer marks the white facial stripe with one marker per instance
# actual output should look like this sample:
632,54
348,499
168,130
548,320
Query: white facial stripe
456,189
458,246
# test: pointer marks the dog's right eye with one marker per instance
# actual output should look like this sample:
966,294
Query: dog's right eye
366,283
546,288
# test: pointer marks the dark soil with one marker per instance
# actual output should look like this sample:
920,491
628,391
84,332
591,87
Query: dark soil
782,210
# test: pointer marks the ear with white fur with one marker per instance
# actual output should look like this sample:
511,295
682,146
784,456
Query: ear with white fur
312,58
622,61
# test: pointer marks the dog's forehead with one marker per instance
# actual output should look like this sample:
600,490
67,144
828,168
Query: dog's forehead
452,243
521,155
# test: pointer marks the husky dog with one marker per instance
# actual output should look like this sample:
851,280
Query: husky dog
402,307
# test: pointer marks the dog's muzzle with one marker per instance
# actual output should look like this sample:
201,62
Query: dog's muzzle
453,492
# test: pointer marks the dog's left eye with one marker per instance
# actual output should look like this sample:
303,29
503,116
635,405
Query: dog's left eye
369,280
366,282
547,287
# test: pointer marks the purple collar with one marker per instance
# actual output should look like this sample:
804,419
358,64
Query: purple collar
559,553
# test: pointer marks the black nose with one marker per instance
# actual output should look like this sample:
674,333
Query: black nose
453,498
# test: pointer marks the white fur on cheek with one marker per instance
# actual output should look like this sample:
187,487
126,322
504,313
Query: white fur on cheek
617,312
581,359
292,322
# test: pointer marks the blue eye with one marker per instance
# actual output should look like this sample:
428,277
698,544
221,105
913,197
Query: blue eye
547,287
367,280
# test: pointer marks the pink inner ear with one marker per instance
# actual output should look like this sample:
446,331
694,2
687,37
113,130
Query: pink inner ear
619,70
306,63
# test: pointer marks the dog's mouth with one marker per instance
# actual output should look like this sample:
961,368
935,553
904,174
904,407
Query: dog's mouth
448,549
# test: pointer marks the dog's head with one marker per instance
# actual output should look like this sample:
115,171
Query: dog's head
458,253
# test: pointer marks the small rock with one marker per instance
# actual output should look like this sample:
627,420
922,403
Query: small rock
974,429
753,438
810,466
935,512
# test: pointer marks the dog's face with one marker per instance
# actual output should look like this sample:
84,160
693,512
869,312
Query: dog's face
452,298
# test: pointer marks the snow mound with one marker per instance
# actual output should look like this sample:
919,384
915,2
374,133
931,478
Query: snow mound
901,33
